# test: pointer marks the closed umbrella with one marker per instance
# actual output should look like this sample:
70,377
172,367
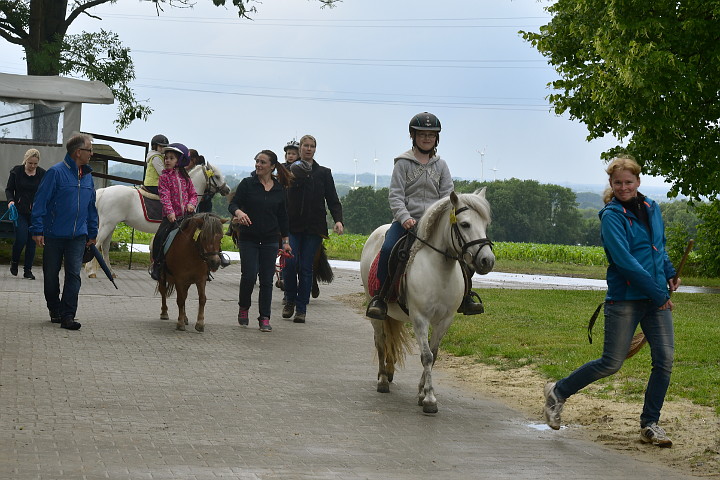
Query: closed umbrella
92,251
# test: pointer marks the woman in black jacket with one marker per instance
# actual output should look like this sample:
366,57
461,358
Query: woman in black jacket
21,188
306,200
258,207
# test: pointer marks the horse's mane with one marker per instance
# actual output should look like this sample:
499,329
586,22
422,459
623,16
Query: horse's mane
431,219
211,225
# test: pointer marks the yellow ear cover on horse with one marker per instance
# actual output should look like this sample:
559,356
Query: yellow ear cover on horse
196,234
453,218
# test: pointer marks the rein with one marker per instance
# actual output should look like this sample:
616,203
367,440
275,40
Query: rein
464,246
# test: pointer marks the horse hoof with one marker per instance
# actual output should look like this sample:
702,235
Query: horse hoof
180,327
186,321
92,275
164,316
383,388
199,328
430,408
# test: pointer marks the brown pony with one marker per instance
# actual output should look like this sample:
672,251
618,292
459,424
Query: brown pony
194,253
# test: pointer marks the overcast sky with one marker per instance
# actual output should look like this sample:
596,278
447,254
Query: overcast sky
352,76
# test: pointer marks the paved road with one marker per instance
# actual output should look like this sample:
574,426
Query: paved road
128,397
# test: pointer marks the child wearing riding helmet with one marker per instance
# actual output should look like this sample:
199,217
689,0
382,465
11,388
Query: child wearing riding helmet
419,179
177,196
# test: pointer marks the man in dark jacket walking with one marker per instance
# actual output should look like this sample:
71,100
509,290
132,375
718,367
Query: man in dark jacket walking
306,198
65,220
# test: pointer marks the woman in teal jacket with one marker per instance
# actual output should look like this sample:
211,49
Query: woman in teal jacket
640,277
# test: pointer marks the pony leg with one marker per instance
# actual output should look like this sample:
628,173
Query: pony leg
182,292
383,383
162,288
200,324
426,393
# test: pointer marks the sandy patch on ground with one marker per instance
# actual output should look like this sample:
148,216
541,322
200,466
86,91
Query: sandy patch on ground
694,429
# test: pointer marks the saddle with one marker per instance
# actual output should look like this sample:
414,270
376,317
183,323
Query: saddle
397,264
152,208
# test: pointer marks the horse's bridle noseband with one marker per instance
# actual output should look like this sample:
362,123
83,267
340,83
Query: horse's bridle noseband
464,246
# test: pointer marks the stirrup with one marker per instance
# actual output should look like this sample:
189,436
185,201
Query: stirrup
377,308
469,306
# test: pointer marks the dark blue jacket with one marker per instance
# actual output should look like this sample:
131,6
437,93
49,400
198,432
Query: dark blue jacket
639,265
65,203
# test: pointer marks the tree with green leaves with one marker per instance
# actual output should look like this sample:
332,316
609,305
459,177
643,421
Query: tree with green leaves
40,27
647,72
365,209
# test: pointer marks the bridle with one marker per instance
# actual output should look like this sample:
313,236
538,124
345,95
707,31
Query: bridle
204,256
210,178
464,245
457,236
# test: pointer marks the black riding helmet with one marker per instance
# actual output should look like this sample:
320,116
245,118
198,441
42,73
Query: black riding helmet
160,139
425,121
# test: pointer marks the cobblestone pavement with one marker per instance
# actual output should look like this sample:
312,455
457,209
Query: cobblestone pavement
129,397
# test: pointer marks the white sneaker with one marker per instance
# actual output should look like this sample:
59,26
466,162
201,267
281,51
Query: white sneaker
653,433
553,406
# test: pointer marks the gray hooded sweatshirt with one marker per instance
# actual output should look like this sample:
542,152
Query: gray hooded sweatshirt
414,186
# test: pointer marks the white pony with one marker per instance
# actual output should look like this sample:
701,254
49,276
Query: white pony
453,230
120,203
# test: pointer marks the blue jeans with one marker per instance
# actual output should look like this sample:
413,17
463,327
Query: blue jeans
257,259
23,239
298,271
59,252
393,234
621,319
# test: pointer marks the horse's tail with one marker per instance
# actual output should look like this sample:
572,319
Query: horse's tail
169,287
321,268
398,341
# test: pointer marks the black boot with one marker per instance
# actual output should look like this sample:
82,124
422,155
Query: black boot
69,323
469,306
155,271
14,268
28,274
377,308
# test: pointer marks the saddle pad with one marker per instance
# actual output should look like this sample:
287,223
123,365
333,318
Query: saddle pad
152,209
169,239
374,283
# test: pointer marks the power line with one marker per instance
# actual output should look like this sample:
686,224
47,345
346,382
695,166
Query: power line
462,105
432,63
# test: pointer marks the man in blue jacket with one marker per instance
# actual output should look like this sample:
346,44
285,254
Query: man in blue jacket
65,220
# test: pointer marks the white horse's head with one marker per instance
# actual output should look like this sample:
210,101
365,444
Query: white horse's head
209,179
459,223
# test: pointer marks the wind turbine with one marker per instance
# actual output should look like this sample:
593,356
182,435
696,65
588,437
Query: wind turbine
355,182
375,160
494,169
482,161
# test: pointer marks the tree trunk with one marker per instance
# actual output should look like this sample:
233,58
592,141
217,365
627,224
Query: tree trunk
42,52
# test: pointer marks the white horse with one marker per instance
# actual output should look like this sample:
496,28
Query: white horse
120,203
451,231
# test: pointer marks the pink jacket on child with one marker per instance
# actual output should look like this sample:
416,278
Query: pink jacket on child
176,192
